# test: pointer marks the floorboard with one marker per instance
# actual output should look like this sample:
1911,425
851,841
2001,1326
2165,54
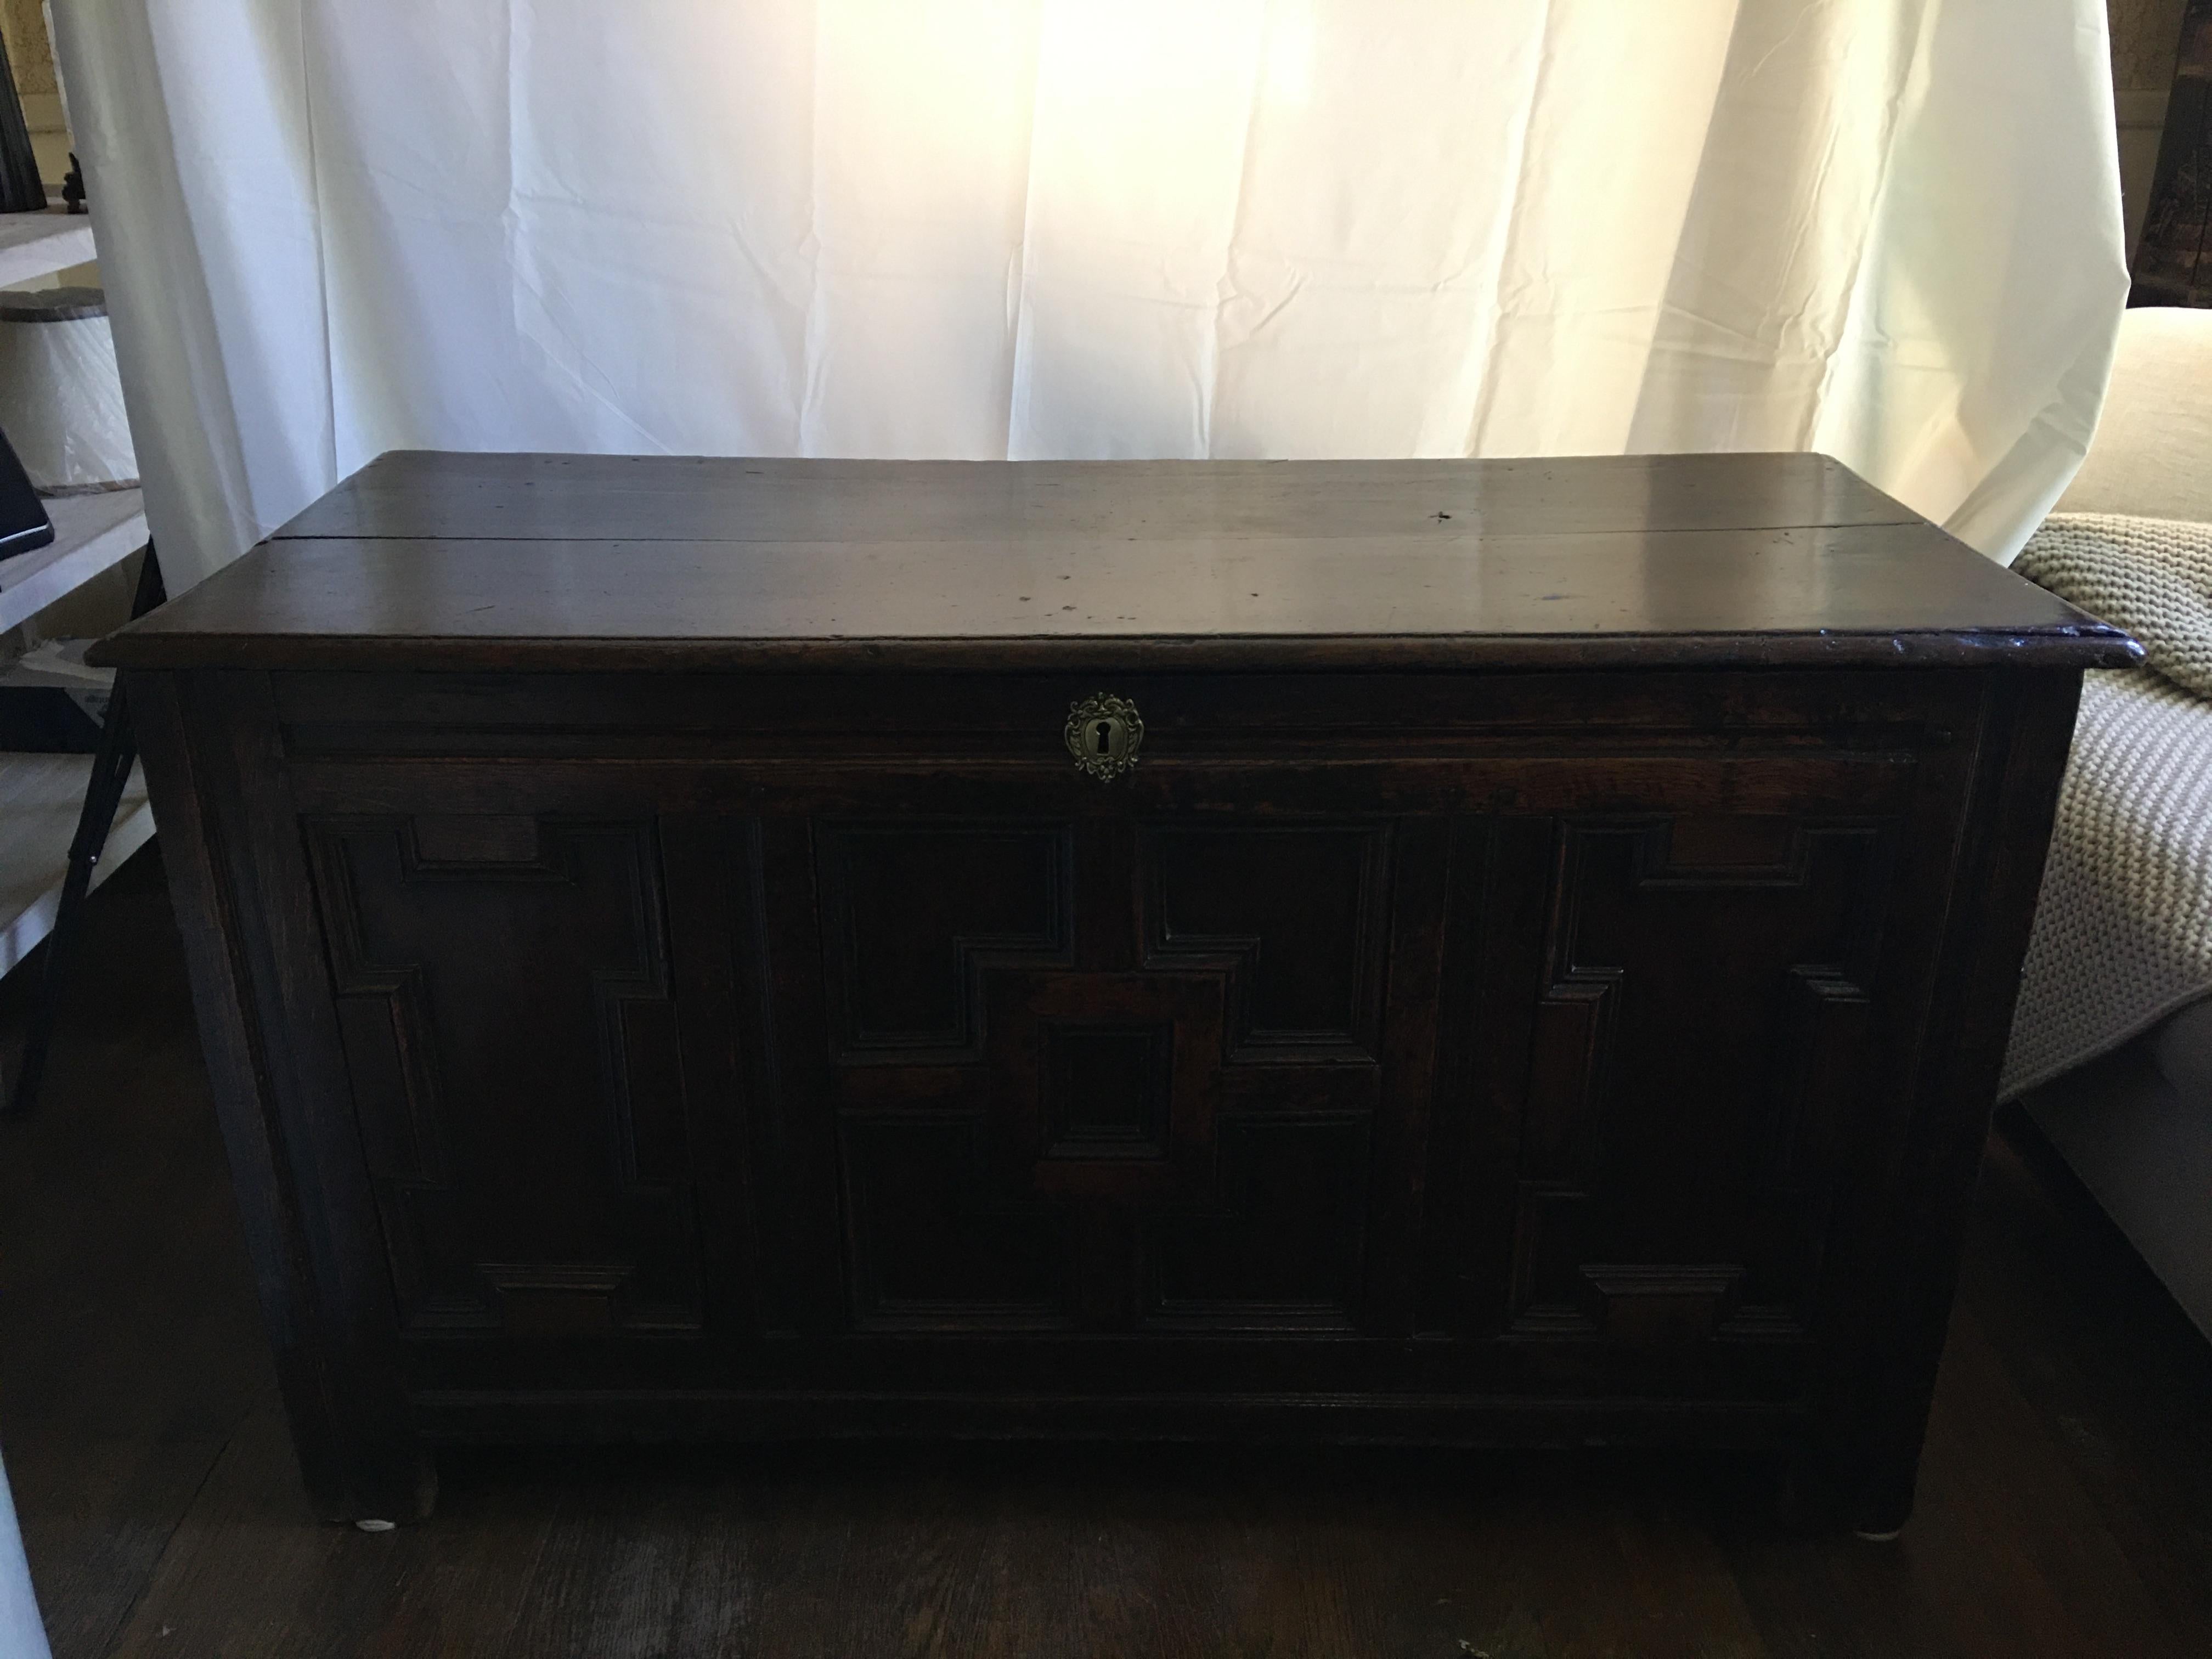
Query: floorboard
2066,1508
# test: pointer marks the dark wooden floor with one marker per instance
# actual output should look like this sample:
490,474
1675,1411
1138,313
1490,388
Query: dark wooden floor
2066,1506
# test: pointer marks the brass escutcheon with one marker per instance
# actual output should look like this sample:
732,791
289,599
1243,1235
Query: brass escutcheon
1103,734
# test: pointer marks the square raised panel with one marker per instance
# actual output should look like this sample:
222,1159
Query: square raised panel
932,1240
1105,1084
1107,1090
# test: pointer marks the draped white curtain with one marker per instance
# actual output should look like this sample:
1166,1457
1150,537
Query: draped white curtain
1885,229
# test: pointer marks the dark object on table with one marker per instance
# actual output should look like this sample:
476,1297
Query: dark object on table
24,525
2174,258
21,190
1537,972
73,186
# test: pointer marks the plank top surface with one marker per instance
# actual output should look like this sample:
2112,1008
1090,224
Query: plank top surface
485,561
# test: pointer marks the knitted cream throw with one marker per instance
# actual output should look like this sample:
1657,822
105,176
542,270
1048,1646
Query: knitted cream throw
2123,934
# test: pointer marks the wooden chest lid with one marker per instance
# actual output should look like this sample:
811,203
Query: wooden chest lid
482,562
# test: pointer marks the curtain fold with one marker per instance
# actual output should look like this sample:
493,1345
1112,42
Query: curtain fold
1099,228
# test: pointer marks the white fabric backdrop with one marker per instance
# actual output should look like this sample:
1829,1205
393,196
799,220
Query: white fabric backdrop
1888,229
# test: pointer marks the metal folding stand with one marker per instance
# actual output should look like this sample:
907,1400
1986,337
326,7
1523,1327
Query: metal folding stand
110,772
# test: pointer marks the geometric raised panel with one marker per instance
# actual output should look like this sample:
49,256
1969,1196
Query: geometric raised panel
1180,1129
1297,913
913,914
1246,1207
1278,1245
1107,1089
933,1242
1705,1019
1138,1121
1642,1305
525,1132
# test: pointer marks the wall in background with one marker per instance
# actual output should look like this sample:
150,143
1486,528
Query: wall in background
2145,34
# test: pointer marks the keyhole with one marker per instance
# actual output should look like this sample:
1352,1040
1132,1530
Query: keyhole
1103,734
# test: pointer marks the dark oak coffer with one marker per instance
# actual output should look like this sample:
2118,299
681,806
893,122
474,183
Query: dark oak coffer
669,969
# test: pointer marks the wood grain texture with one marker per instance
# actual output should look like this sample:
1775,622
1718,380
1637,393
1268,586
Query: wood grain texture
476,562
2068,1472
413,493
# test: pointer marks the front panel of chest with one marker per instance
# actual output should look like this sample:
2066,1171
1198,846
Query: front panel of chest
1563,1045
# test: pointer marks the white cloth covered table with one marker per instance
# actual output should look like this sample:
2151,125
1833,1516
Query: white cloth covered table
1099,228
